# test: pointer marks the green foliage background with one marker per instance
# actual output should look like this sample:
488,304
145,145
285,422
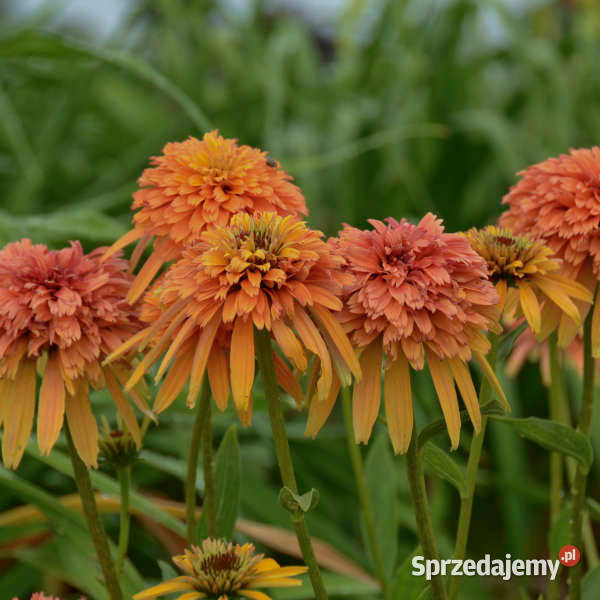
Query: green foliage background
402,108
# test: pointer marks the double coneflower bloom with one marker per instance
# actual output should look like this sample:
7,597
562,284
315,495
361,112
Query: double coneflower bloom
418,295
224,571
197,184
528,278
261,271
557,201
61,313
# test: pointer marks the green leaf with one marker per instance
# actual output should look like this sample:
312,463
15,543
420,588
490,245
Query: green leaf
295,503
227,482
382,484
591,585
405,585
560,534
336,586
444,466
507,339
553,436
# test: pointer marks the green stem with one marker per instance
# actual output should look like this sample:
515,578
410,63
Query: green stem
585,424
124,474
202,415
209,501
556,459
264,354
363,493
416,482
466,502
90,510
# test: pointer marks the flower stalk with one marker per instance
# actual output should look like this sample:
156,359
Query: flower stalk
199,437
124,475
90,510
585,424
363,493
416,482
466,502
264,354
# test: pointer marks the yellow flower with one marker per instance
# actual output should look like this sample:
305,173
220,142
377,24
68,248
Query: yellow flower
222,571
527,277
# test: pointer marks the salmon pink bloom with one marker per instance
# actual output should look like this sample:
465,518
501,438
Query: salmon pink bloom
197,184
558,201
418,295
61,312
262,270
527,277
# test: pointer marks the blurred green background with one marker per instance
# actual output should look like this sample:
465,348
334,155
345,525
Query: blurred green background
377,108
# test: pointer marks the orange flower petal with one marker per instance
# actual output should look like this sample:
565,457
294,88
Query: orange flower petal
398,403
367,392
177,584
559,298
5,384
182,335
254,595
491,377
242,362
287,380
18,420
176,378
289,344
444,386
123,406
319,412
82,424
51,408
125,240
147,273
218,376
462,376
530,305
201,354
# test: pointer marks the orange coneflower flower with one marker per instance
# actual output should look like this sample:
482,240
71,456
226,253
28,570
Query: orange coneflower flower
41,596
527,277
262,270
418,293
223,571
557,201
198,184
62,312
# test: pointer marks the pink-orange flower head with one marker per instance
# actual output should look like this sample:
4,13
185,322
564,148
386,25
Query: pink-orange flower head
262,270
417,293
198,184
527,277
42,596
558,201
64,311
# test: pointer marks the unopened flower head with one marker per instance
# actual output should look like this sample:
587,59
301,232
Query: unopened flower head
118,448
197,184
62,311
262,271
418,293
557,201
217,569
528,279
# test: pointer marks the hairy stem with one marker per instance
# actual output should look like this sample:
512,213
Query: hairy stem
264,355
90,510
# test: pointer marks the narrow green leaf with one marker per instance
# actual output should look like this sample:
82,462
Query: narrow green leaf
553,436
591,585
406,585
228,482
444,466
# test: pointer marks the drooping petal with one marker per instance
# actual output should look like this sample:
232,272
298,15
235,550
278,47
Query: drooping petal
367,392
559,298
201,354
242,362
289,344
175,379
123,406
530,305
319,412
444,386
178,584
82,424
254,595
128,238
51,407
163,251
5,384
18,420
462,376
218,376
398,403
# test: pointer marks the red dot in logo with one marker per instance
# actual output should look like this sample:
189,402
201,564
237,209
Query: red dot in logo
569,556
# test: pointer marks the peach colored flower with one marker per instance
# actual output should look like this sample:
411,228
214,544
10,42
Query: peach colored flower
557,201
418,293
41,596
262,270
61,311
198,184
526,275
